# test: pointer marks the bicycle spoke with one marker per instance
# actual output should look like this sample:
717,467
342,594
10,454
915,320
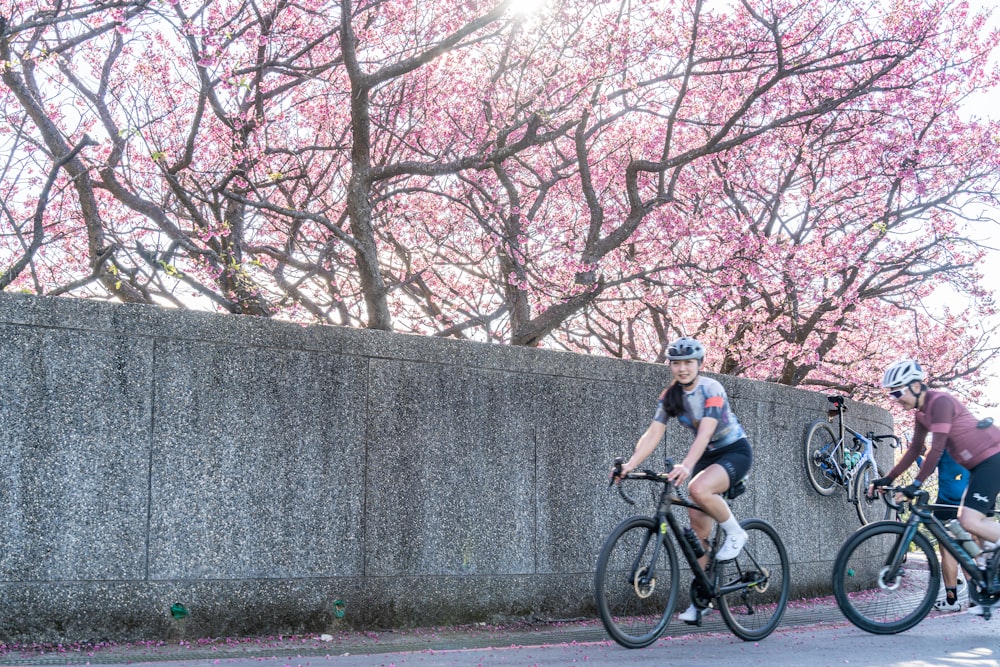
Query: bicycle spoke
760,575
873,509
820,451
875,595
634,606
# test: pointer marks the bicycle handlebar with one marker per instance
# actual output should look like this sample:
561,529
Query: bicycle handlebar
920,499
889,496
895,444
651,475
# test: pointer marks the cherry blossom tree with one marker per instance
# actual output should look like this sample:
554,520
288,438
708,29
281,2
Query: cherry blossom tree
788,178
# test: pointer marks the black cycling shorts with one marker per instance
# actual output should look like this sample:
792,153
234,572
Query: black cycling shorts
984,485
736,459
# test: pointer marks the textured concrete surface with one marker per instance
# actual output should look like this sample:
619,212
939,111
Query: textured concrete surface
261,477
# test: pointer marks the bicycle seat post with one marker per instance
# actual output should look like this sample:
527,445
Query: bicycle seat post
838,410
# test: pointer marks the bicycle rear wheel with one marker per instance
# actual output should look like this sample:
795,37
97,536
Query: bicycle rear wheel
819,452
760,578
869,511
634,608
874,597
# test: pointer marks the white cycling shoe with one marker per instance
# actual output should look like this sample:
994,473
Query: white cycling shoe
733,545
944,605
690,615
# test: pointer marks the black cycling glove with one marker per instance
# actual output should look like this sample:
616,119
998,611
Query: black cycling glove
882,482
911,490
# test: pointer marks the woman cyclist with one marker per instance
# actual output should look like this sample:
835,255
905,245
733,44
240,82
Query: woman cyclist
719,456
975,445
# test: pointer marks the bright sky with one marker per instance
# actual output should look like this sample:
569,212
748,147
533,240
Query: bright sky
987,105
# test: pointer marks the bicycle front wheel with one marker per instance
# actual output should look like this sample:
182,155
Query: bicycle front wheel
875,509
635,597
819,452
754,587
877,596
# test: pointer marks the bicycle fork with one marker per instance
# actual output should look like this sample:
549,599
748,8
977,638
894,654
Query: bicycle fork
892,569
643,577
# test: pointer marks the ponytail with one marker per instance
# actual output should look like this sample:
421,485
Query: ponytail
673,399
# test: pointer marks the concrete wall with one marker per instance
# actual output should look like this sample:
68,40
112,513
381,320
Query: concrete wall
277,478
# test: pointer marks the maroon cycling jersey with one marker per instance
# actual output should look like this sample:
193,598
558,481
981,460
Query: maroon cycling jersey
954,429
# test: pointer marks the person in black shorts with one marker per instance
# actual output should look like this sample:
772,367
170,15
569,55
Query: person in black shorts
719,457
953,479
973,444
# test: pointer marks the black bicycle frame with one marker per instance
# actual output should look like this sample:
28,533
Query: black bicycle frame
665,518
923,515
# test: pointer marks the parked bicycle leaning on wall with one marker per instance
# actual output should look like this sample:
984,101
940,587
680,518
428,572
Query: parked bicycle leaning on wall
973,443
719,457
837,455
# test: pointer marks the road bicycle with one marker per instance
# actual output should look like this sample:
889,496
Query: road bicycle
886,576
637,579
834,459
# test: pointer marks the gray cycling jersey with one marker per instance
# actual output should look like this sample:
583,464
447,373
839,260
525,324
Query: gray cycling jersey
707,399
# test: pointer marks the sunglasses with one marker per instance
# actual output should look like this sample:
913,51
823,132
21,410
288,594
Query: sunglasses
680,350
897,393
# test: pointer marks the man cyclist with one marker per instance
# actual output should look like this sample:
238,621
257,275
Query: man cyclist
719,456
952,482
972,444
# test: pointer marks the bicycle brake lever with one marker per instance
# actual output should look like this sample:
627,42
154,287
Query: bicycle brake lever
891,502
621,492
617,470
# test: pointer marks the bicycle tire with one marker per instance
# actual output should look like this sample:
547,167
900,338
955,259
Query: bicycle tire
819,442
753,612
872,598
635,616
876,509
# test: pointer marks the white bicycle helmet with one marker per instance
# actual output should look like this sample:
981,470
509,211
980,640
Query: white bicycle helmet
685,348
902,373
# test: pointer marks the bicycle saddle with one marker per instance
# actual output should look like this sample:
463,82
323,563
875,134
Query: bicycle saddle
736,490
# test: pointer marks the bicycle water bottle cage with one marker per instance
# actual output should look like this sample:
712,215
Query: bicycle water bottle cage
736,490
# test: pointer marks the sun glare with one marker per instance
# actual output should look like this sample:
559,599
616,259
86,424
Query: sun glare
526,7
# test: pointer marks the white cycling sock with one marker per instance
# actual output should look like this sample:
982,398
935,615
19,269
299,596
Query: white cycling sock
731,525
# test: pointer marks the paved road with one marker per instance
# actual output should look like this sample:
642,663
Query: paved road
815,636
954,641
